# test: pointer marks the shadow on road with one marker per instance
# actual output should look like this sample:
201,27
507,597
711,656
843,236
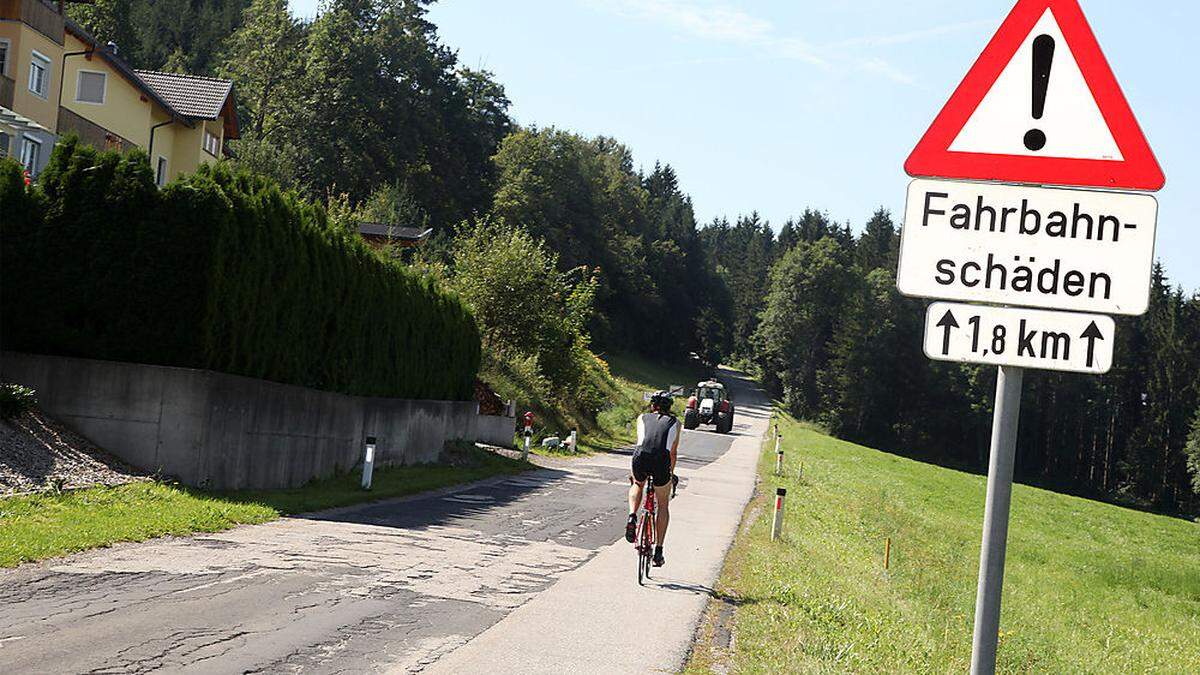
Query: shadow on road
452,505
701,589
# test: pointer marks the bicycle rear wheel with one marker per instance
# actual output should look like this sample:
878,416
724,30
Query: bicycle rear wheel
648,538
643,553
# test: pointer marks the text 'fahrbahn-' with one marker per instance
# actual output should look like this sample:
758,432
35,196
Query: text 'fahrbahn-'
1028,245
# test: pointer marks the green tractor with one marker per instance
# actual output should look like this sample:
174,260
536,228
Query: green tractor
710,404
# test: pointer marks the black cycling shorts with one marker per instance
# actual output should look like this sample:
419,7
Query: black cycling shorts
656,465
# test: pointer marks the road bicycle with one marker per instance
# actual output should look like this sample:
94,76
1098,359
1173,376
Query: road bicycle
647,517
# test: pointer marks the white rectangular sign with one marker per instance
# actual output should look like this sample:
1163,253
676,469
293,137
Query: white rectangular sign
1023,245
1014,336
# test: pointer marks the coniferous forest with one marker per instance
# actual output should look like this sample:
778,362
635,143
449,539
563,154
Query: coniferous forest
839,345
364,109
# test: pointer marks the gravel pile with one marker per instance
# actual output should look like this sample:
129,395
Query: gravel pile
36,453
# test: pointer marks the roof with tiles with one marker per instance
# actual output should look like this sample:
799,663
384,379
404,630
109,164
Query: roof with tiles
190,95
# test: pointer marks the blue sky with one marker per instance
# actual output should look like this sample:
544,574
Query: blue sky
779,105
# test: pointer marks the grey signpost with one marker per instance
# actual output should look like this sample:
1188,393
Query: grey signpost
995,518
1039,108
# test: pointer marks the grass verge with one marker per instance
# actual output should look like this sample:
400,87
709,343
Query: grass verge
45,525
1089,587
634,376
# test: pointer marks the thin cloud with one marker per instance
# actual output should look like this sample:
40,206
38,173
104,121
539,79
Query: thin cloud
883,68
910,36
720,22
705,21
717,22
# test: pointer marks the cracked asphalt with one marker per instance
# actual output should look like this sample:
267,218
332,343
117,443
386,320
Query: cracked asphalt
388,586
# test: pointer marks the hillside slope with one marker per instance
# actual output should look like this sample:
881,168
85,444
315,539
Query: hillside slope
1089,587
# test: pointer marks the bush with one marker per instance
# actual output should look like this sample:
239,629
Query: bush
223,271
533,319
15,399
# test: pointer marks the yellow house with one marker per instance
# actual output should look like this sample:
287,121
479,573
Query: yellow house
31,45
78,85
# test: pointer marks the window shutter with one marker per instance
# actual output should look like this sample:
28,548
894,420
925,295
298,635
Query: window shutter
91,87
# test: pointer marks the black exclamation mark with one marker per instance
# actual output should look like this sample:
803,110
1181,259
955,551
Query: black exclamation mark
1043,58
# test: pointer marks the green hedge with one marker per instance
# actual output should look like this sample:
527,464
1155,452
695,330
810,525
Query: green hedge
220,271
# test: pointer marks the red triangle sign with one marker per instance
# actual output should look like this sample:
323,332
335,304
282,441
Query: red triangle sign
1040,105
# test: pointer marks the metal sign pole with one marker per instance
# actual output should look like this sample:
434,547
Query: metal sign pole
995,519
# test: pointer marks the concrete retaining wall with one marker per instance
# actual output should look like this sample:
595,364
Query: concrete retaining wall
230,432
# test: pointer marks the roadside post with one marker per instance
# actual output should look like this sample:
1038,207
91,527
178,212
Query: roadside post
778,457
1032,271
777,522
778,452
368,463
528,419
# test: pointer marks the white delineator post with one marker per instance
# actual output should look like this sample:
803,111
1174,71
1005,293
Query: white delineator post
574,440
995,519
525,452
777,523
368,463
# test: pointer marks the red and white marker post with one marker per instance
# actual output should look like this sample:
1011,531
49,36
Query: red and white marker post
777,524
528,418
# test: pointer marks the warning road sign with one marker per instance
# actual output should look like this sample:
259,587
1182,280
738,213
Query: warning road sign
1029,338
1040,105
1023,245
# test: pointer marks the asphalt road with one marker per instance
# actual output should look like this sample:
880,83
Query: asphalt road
390,586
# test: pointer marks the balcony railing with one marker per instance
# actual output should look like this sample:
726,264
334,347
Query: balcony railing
43,17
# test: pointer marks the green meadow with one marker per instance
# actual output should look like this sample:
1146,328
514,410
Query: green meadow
1089,587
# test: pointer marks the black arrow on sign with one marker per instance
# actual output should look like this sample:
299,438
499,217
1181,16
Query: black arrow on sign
1091,335
947,322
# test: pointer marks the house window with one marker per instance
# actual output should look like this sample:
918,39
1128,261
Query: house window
212,144
3,145
160,172
90,87
31,152
4,57
39,75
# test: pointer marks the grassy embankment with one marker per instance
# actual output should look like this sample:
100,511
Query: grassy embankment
35,527
632,376
1089,587
615,382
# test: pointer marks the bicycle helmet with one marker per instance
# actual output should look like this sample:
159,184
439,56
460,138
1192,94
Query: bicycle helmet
661,401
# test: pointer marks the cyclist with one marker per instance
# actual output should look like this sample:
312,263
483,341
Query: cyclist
654,459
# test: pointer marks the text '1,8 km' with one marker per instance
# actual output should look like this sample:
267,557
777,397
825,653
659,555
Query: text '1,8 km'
1025,245
1014,336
